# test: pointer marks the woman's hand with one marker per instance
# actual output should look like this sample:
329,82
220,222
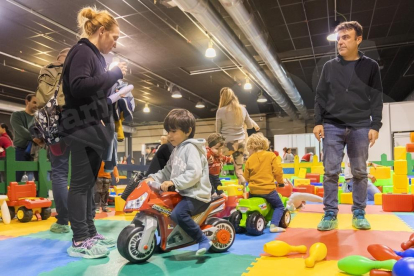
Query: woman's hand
165,185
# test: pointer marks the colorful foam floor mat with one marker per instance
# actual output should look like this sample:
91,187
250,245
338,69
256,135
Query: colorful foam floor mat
31,249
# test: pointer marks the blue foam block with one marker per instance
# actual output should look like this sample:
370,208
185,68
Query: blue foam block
289,170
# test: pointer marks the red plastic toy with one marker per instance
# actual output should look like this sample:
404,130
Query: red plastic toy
137,241
285,191
314,177
377,272
234,193
382,252
24,203
409,243
397,203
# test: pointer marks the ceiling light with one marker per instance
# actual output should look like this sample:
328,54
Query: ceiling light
146,108
332,37
210,52
261,98
176,94
247,85
200,104
115,62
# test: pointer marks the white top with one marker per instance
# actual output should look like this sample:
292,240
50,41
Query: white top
226,124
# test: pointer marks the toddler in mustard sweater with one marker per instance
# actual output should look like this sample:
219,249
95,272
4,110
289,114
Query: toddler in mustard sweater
260,171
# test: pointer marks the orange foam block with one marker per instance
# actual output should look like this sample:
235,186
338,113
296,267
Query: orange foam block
397,203
409,147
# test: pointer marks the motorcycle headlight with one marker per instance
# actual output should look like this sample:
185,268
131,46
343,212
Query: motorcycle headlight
137,203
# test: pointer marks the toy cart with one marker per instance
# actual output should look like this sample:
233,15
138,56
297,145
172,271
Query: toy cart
24,203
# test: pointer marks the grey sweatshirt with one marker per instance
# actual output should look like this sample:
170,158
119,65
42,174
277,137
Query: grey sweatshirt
226,124
188,170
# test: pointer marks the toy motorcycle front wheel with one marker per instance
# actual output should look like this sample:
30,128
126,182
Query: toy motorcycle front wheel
128,242
224,236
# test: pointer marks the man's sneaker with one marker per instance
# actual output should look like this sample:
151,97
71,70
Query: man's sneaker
98,211
107,242
203,246
276,229
59,228
88,249
105,209
328,222
359,221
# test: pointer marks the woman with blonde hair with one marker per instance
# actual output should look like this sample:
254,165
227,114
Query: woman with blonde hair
84,123
230,119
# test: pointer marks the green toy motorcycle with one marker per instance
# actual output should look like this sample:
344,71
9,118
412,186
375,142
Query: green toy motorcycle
253,214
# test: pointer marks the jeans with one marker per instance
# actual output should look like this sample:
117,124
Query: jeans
22,155
274,200
357,142
371,189
183,212
59,174
85,162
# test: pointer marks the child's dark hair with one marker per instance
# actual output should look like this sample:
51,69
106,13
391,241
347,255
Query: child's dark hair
3,125
214,139
180,119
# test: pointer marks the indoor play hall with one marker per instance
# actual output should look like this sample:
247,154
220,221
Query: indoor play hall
207,137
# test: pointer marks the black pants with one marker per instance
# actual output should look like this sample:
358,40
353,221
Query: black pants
215,182
183,212
102,192
85,162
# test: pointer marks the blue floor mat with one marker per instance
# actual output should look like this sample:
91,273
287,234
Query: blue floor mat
33,255
407,218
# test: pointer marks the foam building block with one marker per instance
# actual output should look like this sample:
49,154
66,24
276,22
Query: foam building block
378,199
397,203
299,182
400,184
400,167
304,189
400,153
346,198
409,147
318,169
319,191
288,170
302,173
381,172
314,177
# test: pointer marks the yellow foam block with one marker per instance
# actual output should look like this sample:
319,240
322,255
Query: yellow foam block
302,173
400,167
288,176
378,222
346,198
378,199
119,204
400,182
299,182
399,191
266,265
380,172
17,228
318,169
400,153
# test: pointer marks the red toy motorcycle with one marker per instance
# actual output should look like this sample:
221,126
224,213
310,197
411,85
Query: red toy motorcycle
137,242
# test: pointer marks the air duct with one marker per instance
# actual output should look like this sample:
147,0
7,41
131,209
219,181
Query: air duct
249,26
206,14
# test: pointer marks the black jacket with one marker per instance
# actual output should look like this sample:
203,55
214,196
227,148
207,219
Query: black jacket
85,87
354,101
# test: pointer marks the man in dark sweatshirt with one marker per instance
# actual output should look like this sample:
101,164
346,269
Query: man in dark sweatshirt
348,111
21,121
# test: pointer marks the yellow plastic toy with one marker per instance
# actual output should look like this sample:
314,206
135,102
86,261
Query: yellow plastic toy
280,248
378,199
232,190
346,198
317,253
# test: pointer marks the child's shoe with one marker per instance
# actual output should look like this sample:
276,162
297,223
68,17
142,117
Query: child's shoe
276,229
203,246
101,240
87,249
59,228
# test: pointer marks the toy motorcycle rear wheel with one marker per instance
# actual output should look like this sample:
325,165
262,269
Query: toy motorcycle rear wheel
255,224
128,242
224,236
234,219
285,220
